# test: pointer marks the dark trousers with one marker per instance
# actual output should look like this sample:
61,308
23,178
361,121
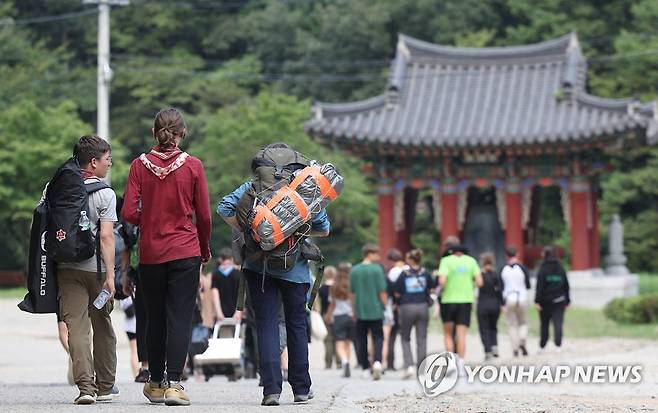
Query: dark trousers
391,340
555,312
141,321
170,290
361,341
264,291
488,324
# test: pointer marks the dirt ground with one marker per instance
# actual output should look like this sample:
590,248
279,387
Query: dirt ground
563,397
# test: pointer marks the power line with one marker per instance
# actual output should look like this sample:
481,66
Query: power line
46,19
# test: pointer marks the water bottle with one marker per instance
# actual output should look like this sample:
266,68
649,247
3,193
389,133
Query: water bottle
84,222
102,298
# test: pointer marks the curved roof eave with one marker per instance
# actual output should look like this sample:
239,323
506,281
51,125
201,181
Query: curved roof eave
335,109
549,47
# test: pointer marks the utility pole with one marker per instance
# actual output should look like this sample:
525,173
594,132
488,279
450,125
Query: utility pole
104,70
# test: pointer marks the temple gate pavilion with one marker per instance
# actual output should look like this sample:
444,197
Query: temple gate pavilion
484,129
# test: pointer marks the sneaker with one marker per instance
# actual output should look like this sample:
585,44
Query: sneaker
541,350
524,352
494,351
366,374
488,356
155,392
346,370
85,399
516,353
143,376
175,395
114,391
409,372
377,370
271,400
558,349
303,398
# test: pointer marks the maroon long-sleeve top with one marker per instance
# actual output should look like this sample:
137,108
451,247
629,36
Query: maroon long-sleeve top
167,197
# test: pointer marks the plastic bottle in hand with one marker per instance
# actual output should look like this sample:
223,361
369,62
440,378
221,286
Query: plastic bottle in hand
102,298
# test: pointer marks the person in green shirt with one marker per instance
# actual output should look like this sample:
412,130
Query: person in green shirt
368,288
459,274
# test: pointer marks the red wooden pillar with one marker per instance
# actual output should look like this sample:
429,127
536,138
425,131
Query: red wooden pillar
594,239
387,236
449,224
513,217
403,238
580,209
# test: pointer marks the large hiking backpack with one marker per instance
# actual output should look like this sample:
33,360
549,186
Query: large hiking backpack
69,237
273,169
60,232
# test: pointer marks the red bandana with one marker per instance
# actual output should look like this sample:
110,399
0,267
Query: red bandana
161,172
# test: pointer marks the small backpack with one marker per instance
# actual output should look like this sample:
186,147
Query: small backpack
273,169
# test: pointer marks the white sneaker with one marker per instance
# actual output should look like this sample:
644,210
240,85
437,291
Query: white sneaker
365,374
377,370
558,349
409,373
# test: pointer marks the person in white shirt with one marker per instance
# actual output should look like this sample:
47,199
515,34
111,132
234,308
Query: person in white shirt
515,296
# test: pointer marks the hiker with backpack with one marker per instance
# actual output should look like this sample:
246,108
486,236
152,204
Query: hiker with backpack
88,226
281,269
167,197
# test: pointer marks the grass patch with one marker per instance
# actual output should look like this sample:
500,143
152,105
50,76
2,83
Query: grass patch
648,284
578,323
13,292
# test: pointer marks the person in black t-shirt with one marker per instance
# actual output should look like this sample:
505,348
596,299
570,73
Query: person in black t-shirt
490,301
225,283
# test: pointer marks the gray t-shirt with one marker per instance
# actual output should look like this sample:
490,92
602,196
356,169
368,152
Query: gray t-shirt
103,206
342,307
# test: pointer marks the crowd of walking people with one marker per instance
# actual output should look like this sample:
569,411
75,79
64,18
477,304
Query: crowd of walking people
171,304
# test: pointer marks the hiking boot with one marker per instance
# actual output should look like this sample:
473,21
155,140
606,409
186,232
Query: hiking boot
85,399
143,376
524,351
377,370
155,392
175,395
346,370
303,398
271,400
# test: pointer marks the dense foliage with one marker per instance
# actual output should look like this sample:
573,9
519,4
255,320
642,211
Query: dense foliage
245,72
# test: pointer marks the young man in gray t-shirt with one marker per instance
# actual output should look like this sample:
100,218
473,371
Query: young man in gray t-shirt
79,284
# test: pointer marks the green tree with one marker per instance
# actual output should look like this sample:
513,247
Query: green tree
35,142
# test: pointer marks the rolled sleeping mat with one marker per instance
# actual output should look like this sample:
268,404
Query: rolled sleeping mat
280,216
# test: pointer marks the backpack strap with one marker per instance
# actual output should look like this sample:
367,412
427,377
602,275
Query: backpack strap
91,188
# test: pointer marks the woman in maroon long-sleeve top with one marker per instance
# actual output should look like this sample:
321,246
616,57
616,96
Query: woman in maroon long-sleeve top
167,196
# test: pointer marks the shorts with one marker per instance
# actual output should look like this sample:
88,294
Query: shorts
131,336
458,313
343,327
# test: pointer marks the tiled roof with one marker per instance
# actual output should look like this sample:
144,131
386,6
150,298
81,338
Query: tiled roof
450,96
